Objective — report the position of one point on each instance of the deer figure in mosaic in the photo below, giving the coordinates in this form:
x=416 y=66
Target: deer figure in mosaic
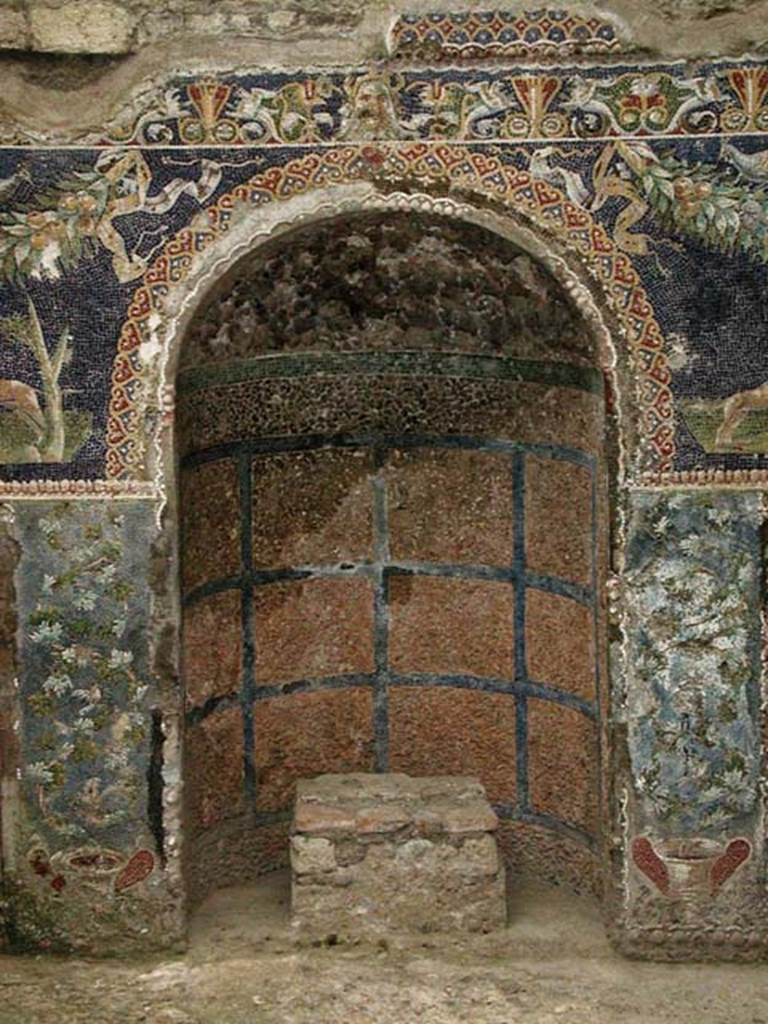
x=735 y=411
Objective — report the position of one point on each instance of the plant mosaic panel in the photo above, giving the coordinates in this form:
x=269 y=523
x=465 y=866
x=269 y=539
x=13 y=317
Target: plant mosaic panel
x=693 y=586
x=694 y=561
x=89 y=856
x=84 y=601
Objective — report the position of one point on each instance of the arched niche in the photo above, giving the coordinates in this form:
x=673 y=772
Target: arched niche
x=393 y=460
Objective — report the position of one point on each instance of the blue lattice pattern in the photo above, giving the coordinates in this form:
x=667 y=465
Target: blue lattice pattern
x=521 y=688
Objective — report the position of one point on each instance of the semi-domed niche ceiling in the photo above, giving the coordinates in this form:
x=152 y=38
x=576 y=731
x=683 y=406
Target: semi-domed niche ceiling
x=389 y=281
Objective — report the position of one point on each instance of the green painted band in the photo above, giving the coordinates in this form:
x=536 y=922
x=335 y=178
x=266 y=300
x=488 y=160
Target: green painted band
x=409 y=364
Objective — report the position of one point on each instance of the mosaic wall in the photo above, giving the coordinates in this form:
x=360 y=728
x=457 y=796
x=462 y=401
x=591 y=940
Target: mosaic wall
x=645 y=176
x=693 y=718
x=642 y=187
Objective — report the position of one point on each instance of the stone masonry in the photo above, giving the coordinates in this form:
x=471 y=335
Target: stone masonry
x=375 y=853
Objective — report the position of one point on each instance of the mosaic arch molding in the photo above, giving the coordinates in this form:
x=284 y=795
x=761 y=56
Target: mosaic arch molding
x=171 y=287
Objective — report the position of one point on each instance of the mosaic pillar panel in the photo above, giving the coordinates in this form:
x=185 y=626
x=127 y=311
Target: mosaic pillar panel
x=695 y=880
x=90 y=849
x=403 y=598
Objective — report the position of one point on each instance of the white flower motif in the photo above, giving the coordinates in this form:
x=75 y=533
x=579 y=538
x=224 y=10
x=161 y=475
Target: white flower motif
x=107 y=573
x=691 y=545
x=39 y=772
x=711 y=794
x=734 y=778
x=85 y=601
x=662 y=526
x=116 y=760
x=57 y=683
x=720 y=516
x=717 y=818
x=120 y=659
x=47 y=633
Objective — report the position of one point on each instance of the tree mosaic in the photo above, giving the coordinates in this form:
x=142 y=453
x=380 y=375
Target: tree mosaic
x=29 y=432
x=694 y=583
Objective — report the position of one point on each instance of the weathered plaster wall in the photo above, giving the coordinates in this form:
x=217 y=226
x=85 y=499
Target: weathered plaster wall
x=125 y=26
x=639 y=183
x=102 y=54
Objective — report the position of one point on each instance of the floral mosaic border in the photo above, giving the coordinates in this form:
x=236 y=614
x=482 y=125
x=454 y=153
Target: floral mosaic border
x=391 y=101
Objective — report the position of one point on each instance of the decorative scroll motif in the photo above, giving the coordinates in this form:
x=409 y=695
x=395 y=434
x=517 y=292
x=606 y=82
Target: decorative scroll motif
x=486 y=175
x=479 y=35
x=395 y=102
x=69 y=221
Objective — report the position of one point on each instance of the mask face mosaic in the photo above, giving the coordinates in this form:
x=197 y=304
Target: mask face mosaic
x=441 y=380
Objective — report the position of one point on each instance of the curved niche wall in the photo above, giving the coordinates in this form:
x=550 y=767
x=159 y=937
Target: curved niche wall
x=390 y=433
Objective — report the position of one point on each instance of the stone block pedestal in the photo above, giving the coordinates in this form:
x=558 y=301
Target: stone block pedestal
x=372 y=854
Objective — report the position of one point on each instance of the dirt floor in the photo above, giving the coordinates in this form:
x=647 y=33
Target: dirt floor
x=551 y=966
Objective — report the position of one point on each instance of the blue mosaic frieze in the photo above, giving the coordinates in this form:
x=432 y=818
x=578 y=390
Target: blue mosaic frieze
x=473 y=35
x=80 y=227
x=395 y=102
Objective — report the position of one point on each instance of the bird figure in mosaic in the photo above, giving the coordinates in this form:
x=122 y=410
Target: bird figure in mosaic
x=751 y=166
x=22 y=422
x=540 y=167
x=735 y=410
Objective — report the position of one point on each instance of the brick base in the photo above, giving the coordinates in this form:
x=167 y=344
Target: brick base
x=378 y=853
